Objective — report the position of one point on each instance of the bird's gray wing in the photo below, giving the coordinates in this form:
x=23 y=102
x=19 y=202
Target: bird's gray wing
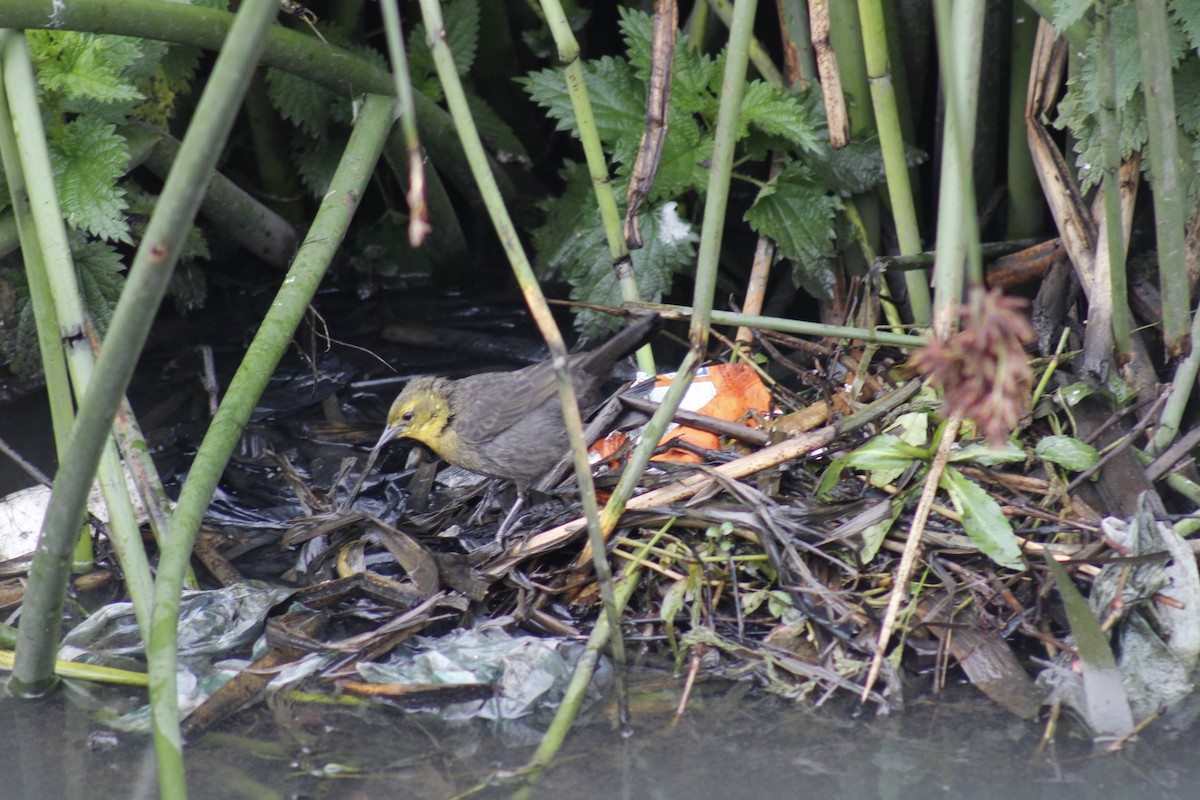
x=490 y=403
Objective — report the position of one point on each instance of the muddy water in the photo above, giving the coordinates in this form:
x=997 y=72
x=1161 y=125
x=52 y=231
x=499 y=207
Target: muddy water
x=732 y=743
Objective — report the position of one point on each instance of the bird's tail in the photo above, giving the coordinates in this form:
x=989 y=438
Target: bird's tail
x=601 y=360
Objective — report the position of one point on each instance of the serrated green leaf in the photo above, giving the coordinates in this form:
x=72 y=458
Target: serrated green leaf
x=982 y=519
x=1187 y=14
x=856 y=168
x=317 y=161
x=670 y=247
x=86 y=65
x=777 y=112
x=1067 y=452
x=462 y=37
x=570 y=244
x=301 y=102
x=693 y=72
x=617 y=98
x=18 y=329
x=797 y=213
x=101 y=279
x=495 y=132
x=89 y=157
x=1065 y=13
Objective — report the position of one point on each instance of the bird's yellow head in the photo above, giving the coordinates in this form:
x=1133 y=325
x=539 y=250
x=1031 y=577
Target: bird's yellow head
x=419 y=412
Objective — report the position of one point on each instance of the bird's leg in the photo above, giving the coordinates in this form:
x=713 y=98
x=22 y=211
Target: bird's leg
x=510 y=519
x=490 y=499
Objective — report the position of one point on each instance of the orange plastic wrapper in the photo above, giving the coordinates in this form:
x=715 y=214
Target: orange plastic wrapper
x=725 y=391
x=728 y=392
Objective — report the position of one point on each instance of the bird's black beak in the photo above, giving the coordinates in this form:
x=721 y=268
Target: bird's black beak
x=389 y=433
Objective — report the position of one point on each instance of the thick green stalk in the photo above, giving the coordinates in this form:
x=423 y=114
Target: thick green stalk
x=597 y=164
x=845 y=35
x=793 y=16
x=1025 y=202
x=960 y=48
x=54 y=365
x=144 y=289
x=418 y=213
x=716 y=198
x=456 y=101
x=796 y=326
x=1158 y=88
x=883 y=98
x=756 y=53
x=1183 y=389
x=335 y=68
x=715 y=204
x=1110 y=156
x=585 y=668
x=53 y=277
x=262 y=356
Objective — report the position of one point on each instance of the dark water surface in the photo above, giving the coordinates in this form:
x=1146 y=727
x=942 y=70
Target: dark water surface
x=734 y=743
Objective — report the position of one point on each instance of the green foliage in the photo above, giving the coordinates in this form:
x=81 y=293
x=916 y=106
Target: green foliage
x=1067 y=452
x=1078 y=111
x=799 y=208
x=90 y=85
x=798 y=213
x=100 y=277
x=571 y=246
x=89 y=159
x=983 y=520
x=462 y=36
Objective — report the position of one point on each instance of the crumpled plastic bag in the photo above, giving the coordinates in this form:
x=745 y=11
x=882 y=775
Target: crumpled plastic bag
x=529 y=673
x=213 y=622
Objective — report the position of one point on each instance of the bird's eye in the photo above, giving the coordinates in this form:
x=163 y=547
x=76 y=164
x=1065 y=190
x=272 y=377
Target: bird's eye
x=408 y=415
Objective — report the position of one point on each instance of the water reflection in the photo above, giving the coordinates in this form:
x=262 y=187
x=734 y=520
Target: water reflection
x=732 y=743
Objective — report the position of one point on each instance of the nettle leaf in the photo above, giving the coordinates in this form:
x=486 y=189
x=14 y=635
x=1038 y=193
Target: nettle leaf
x=18 y=329
x=856 y=168
x=317 y=161
x=1187 y=14
x=693 y=73
x=301 y=102
x=495 y=132
x=684 y=163
x=1067 y=452
x=670 y=247
x=1078 y=108
x=85 y=65
x=1065 y=13
x=462 y=37
x=571 y=245
x=796 y=212
x=982 y=519
x=101 y=279
x=89 y=157
x=617 y=97
x=1187 y=94
x=778 y=112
